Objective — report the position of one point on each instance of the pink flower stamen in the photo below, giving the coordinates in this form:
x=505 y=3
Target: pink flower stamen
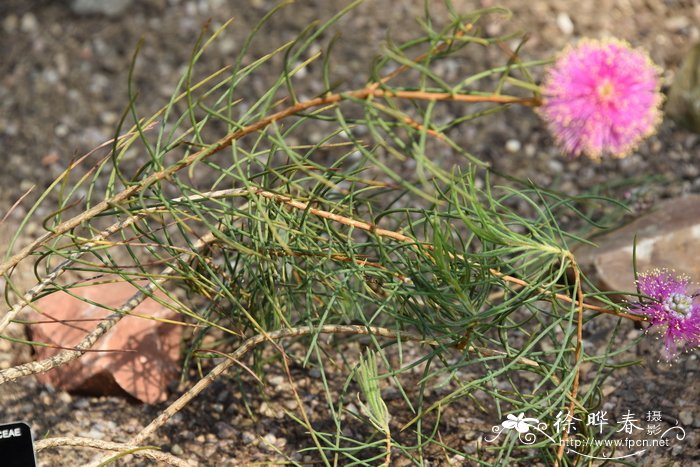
x=601 y=97
x=671 y=311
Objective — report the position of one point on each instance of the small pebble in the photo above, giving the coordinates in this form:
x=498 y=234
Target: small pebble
x=109 y=118
x=269 y=442
x=176 y=419
x=61 y=130
x=513 y=146
x=46 y=398
x=565 y=24
x=225 y=431
x=100 y=7
x=82 y=404
x=276 y=380
x=391 y=393
x=677 y=23
x=65 y=397
x=265 y=410
x=95 y=433
x=210 y=450
x=9 y=24
x=290 y=404
x=227 y=46
x=555 y=166
x=530 y=150
x=686 y=417
x=28 y=23
x=176 y=450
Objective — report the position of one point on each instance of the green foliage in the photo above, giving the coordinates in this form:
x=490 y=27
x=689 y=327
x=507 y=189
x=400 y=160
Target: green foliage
x=340 y=212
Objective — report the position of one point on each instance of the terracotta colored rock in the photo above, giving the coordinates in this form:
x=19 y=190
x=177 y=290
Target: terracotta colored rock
x=148 y=350
x=667 y=237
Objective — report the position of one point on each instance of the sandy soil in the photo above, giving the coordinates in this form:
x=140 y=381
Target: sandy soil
x=63 y=79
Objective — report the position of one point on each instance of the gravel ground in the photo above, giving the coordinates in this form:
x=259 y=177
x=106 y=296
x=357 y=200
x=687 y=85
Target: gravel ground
x=62 y=90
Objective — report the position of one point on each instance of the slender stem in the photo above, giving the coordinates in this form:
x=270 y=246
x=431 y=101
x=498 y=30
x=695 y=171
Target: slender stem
x=302 y=410
x=577 y=355
x=81 y=442
x=566 y=298
x=27 y=298
x=256 y=340
x=250 y=344
x=40 y=366
x=226 y=141
x=435 y=50
x=387 y=458
x=96 y=240
x=366 y=226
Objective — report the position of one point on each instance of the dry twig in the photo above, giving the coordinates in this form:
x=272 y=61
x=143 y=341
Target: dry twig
x=90 y=339
x=80 y=442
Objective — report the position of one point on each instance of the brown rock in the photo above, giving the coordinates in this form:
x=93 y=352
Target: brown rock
x=142 y=353
x=667 y=237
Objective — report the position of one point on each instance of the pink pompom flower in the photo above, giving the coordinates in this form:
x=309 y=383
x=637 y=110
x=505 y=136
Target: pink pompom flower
x=670 y=309
x=601 y=98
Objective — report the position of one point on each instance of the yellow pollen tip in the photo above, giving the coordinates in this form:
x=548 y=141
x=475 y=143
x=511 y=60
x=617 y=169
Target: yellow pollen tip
x=606 y=90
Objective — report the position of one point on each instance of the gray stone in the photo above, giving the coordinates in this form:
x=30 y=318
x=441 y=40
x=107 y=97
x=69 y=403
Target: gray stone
x=513 y=146
x=82 y=404
x=177 y=450
x=100 y=7
x=269 y=442
x=667 y=237
x=209 y=450
x=276 y=380
x=565 y=24
x=686 y=417
x=64 y=397
x=94 y=433
x=677 y=449
x=391 y=393
x=29 y=23
x=224 y=430
x=271 y=410
x=9 y=23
